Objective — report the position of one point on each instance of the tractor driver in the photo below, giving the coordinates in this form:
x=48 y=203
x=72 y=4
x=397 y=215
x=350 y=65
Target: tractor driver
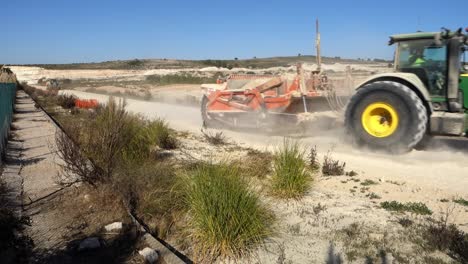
x=416 y=58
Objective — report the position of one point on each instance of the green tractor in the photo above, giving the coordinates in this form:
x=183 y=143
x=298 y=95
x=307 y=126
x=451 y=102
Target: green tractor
x=426 y=94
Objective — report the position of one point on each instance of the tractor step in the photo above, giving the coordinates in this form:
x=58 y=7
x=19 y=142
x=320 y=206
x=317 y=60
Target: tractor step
x=445 y=123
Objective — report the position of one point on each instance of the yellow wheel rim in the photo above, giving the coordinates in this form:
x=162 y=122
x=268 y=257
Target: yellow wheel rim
x=380 y=119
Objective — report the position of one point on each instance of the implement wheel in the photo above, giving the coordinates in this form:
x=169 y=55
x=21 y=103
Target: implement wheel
x=386 y=116
x=208 y=121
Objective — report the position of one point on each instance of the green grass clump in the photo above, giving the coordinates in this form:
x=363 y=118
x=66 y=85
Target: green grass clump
x=227 y=217
x=291 y=177
x=461 y=201
x=412 y=207
x=368 y=182
x=160 y=134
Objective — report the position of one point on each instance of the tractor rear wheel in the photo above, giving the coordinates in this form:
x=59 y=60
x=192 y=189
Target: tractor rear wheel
x=387 y=116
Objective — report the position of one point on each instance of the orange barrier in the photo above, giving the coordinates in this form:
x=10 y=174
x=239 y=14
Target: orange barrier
x=86 y=104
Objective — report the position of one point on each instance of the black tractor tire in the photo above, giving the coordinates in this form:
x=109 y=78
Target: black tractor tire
x=410 y=110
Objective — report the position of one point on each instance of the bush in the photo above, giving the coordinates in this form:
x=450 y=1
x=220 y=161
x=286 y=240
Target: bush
x=66 y=101
x=332 y=167
x=112 y=138
x=215 y=138
x=461 y=201
x=160 y=134
x=412 y=207
x=313 y=160
x=291 y=179
x=147 y=187
x=227 y=217
x=447 y=237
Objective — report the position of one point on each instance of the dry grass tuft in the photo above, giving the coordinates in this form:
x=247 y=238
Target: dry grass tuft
x=227 y=217
x=291 y=177
x=215 y=138
x=332 y=167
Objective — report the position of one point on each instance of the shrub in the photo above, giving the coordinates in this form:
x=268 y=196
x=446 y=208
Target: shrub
x=215 y=138
x=447 y=237
x=160 y=134
x=76 y=166
x=111 y=137
x=313 y=159
x=332 y=167
x=227 y=217
x=369 y=182
x=291 y=179
x=412 y=207
x=66 y=101
x=146 y=187
x=461 y=201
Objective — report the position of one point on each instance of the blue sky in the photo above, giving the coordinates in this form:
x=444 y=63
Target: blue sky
x=65 y=31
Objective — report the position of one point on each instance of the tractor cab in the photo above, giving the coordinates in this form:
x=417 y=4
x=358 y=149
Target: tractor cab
x=439 y=61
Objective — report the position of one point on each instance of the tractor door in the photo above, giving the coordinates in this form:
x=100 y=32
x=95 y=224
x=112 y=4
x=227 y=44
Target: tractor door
x=464 y=77
x=428 y=61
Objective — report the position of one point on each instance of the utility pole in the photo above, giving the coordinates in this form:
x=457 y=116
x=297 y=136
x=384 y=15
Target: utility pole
x=317 y=46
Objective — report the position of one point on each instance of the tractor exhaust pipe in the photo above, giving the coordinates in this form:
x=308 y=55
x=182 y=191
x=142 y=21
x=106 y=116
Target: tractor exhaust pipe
x=453 y=75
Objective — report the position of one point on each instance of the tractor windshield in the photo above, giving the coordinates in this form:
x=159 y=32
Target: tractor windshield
x=427 y=60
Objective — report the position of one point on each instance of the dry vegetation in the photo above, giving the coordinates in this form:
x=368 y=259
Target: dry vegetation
x=291 y=177
x=227 y=218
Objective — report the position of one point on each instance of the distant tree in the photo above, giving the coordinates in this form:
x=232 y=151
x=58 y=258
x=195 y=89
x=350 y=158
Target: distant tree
x=379 y=60
x=236 y=58
x=135 y=63
x=299 y=54
x=254 y=57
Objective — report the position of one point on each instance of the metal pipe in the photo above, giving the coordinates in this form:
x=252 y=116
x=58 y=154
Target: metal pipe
x=305 y=103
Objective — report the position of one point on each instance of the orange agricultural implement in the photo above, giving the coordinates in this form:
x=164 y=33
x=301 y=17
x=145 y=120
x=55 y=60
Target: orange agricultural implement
x=86 y=103
x=256 y=100
x=265 y=100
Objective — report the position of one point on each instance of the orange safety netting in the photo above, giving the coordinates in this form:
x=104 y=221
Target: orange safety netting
x=86 y=103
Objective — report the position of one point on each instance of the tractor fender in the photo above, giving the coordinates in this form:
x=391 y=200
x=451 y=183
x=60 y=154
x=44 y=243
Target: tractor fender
x=411 y=80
